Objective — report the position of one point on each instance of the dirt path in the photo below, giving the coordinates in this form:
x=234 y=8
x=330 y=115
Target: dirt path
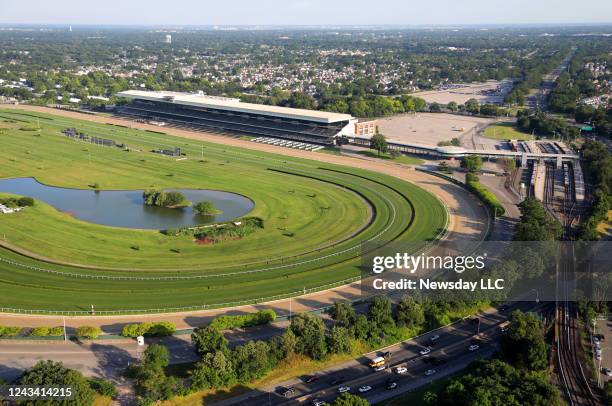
x=468 y=221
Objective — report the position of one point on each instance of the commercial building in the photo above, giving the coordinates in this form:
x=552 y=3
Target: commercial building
x=222 y=114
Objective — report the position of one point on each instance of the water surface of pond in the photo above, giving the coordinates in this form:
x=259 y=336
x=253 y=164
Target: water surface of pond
x=124 y=208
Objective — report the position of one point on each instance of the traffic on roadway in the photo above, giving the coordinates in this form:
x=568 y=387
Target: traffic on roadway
x=394 y=370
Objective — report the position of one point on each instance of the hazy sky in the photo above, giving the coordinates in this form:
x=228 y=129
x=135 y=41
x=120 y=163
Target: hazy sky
x=307 y=12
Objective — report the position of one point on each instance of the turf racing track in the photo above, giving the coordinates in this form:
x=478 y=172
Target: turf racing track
x=398 y=210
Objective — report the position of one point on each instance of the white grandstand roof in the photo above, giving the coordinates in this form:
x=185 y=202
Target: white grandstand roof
x=199 y=100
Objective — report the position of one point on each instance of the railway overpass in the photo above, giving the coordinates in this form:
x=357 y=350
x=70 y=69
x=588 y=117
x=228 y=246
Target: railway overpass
x=452 y=152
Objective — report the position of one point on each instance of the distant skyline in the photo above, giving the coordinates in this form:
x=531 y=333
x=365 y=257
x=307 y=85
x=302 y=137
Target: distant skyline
x=305 y=12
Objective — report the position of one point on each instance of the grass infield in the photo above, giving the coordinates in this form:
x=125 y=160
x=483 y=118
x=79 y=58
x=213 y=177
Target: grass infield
x=316 y=217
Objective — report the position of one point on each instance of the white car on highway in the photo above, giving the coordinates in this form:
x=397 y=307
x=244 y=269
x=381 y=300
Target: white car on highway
x=401 y=370
x=343 y=389
x=365 y=388
x=430 y=372
x=474 y=347
x=425 y=351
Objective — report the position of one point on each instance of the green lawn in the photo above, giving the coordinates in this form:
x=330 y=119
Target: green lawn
x=400 y=159
x=506 y=131
x=303 y=244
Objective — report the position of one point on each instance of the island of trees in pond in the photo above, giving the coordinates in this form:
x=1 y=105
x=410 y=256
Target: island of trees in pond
x=177 y=200
x=160 y=198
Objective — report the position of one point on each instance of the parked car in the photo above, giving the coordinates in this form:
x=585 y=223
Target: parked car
x=606 y=371
x=425 y=351
x=318 y=402
x=364 y=388
x=343 y=389
x=379 y=368
x=401 y=370
x=434 y=338
x=430 y=372
x=473 y=347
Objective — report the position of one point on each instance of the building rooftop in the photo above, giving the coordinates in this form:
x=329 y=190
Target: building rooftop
x=200 y=100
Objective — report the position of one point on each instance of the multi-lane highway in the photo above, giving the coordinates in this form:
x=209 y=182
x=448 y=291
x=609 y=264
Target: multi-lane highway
x=449 y=354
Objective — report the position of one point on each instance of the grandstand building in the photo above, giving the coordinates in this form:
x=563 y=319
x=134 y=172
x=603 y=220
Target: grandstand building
x=229 y=115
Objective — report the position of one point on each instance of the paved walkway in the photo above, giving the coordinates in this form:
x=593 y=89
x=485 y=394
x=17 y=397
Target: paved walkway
x=468 y=221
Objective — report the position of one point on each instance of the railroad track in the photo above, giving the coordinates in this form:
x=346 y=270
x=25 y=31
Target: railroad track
x=570 y=355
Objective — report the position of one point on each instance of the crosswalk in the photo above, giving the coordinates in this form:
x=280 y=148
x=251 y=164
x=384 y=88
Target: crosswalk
x=288 y=143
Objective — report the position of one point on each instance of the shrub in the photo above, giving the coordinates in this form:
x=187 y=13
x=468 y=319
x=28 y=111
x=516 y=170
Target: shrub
x=162 y=328
x=40 y=332
x=25 y=201
x=103 y=387
x=88 y=332
x=6 y=331
x=488 y=198
x=243 y=320
x=56 y=331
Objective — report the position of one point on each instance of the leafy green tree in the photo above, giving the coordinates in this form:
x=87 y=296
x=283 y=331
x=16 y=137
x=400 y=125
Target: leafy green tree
x=348 y=399
x=409 y=313
x=156 y=356
x=214 y=371
x=152 y=384
x=208 y=339
x=310 y=332
x=51 y=373
x=472 y=106
x=344 y=314
x=380 y=314
x=535 y=223
x=362 y=327
x=489 y=110
x=379 y=143
x=507 y=164
x=251 y=361
x=524 y=344
x=435 y=107
x=472 y=163
x=494 y=382
x=339 y=340
x=205 y=208
x=452 y=106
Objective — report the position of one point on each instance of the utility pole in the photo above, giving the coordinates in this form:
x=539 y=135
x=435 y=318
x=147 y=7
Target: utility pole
x=93 y=312
x=65 y=336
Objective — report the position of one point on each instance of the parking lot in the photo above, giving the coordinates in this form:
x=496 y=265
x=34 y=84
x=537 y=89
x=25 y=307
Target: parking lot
x=492 y=91
x=429 y=128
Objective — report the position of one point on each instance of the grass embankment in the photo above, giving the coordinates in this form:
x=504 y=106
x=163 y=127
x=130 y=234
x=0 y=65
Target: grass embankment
x=506 y=131
x=488 y=197
x=303 y=245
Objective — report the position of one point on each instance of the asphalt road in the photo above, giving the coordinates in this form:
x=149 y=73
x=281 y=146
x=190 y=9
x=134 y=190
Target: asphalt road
x=451 y=349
